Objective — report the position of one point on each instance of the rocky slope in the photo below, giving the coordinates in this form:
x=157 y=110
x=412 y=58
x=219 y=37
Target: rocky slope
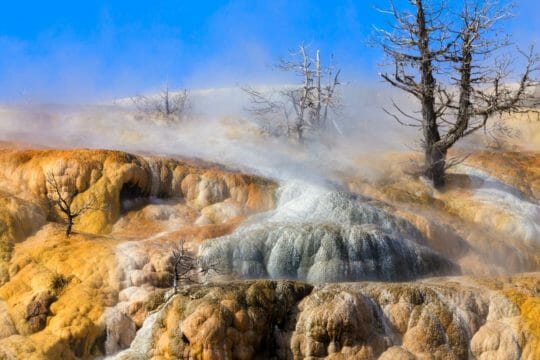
x=60 y=296
x=105 y=291
x=448 y=318
x=487 y=217
x=324 y=235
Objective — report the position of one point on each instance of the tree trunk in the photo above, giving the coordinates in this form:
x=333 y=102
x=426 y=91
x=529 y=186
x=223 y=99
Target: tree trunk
x=167 y=106
x=318 y=124
x=434 y=162
x=300 y=133
x=435 y=165
x=69 y=226
x=304 y=105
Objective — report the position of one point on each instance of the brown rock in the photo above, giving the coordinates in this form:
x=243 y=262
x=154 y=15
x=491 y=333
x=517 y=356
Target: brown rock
x=37 y=311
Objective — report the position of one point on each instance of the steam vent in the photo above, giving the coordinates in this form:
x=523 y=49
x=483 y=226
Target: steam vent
x=270 y=180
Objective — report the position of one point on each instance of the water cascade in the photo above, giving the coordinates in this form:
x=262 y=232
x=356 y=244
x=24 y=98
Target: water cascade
x=321 y=234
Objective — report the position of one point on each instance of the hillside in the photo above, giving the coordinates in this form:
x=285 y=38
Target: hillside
x=107 y=287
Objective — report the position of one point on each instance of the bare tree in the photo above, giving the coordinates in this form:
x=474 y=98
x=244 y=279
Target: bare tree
x=170 y=106
x=499 y=133
x=187 y=268
x=294 y=110
x=450 y=62
x=62 y=196
x=273 y=109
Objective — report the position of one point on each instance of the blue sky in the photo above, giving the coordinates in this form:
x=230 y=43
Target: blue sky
x=76 y=51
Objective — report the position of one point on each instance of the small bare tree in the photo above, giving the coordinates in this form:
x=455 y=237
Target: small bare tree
x=62 y=197
x=171 y=106
x=499 y=133
x=450 y=62
x=297 y=109
x=187 y=268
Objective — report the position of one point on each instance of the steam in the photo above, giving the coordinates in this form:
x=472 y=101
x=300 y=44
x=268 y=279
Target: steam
x=220 y=131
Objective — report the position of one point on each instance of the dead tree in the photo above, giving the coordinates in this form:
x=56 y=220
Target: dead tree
x=450 y=62
x=62 y=197
x=272 y=109
x=187 y=268
x=170 y=106
x=295 y=110
x=498 y=134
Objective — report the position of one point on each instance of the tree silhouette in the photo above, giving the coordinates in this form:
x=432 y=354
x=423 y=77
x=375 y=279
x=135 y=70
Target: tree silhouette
x=62 y=196
x=451 y=63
